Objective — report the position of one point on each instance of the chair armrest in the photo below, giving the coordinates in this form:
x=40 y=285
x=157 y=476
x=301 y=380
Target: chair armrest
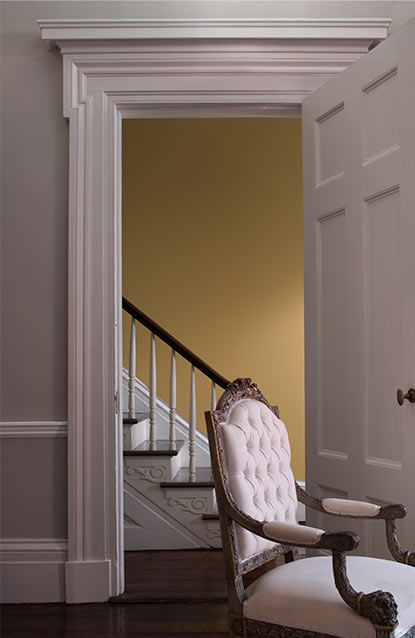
x=292 y=533
x=362 y=509
x=350 y=509
x=344 y=507
x=311 y=537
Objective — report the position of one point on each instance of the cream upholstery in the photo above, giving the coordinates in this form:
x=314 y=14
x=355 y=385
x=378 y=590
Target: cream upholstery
x=351 y=508
x=302 y=594
x=292 y=532
x=257 y=457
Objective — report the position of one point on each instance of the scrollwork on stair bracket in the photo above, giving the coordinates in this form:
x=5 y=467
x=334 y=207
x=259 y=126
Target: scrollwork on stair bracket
x=190 y=504
x=213 y=533
x=154 y=474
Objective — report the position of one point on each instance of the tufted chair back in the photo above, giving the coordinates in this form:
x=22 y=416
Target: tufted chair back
x=257 y=457
x=253 y=454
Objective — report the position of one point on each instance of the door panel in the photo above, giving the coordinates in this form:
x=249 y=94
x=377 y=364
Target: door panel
x=359 y=253
x=331 y=263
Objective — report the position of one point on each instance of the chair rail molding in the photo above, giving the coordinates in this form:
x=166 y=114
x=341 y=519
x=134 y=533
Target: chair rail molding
x=32 y=429
x=114 y=69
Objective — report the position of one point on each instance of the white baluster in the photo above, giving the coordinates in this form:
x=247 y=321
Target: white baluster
x=153 y=389
x=172 y=434
x=213 y=397
x=131 y=372
x=192 y=427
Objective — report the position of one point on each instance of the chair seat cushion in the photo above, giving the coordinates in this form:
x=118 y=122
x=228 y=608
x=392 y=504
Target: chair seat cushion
x=302 y=594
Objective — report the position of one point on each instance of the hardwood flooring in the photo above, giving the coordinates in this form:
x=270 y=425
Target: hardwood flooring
x=168 y=594
x=191 y=575
x=192 y=581
x=207 y=620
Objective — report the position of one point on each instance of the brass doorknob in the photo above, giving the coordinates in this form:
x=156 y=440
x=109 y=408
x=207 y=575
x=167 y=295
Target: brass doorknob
x=410 y=396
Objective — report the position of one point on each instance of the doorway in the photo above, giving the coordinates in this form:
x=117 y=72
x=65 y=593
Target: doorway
x=138 y=70
x=212 y=251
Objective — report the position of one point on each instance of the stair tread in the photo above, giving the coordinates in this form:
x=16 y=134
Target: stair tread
x=162 y=449
x=210 y=517
x=140 y=416
x=203 y=478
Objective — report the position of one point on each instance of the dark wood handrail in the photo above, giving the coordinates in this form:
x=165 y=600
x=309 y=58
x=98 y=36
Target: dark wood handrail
x=178 y=347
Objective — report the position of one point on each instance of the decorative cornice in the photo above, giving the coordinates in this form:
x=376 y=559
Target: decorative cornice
x=262 y=62
x=33 y=429
x=55 y=31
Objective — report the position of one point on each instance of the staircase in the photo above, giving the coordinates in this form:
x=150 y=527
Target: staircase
x=169 y=498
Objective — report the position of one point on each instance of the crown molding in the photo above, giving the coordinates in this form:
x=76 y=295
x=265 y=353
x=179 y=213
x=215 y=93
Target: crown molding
x=365 y=30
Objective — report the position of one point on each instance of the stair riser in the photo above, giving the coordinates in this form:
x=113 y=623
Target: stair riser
x=135 y=434
x=141 y=394
x=152 y=468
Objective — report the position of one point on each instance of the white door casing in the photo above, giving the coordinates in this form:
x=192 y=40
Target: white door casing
x=131 y=68
x=359 y=236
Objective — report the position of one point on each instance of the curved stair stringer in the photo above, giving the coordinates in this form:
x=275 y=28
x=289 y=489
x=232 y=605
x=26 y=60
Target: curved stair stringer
x=150 y=527
x=183 y=507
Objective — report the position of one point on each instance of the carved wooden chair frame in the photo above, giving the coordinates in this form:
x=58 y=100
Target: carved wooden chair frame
x=379 y=607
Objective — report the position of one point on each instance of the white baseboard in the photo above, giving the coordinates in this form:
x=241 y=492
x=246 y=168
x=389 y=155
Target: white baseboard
x=88 y=581
x=32 y=570
x=35 y=582
x=36 y=570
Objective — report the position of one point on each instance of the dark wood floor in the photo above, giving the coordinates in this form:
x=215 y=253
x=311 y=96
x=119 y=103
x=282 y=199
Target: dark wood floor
x=192 y=575
x=193 y=582
x=207 y=620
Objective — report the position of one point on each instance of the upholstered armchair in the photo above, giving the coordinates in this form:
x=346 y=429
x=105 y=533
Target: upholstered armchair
x=331 y=596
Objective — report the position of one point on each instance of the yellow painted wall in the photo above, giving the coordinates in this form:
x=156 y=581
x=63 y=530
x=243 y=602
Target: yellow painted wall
x=212 y=251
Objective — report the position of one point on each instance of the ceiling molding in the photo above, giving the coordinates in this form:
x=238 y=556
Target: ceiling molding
x=364 y=30
x=275 y=61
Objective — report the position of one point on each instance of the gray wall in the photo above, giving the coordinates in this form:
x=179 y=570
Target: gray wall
x=34 y=163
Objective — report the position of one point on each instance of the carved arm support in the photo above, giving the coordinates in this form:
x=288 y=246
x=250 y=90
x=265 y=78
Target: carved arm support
x=378 y=606
x=395 y=547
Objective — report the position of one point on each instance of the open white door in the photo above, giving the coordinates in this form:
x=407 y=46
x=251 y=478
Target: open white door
x=359 y=231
